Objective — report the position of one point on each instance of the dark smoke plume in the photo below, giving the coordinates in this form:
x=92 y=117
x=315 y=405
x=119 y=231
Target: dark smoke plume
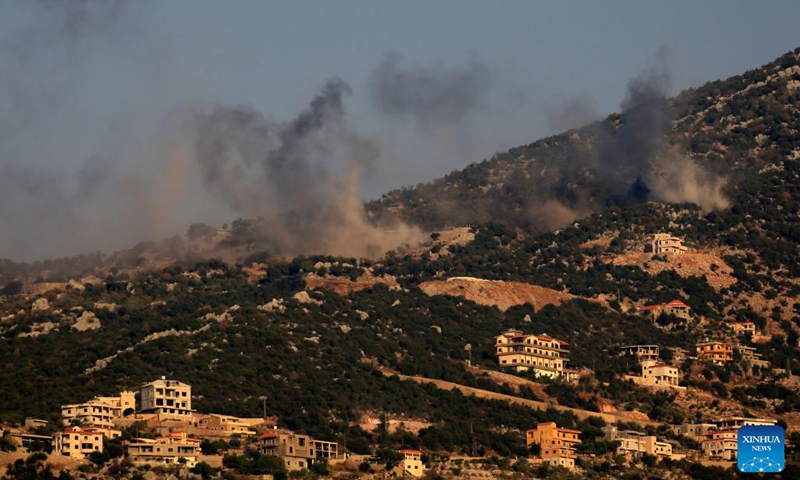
x=428 y=95
x=637 y=164
x=308 y=169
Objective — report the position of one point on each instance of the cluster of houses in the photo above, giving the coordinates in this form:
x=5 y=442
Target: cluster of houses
x=717 y=440
x=166 y=407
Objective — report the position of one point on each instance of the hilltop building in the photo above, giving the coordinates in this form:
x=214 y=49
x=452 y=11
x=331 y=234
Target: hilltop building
x=660 y=375
x=636 y=444
x=99 y=411
x=715 y=351
x=173 y=449
x=224 y=425
x=733 y=423
x=297 y=451
x=675 y=307
x=647 y=354
x=545 y=356
x=666 y=244
x=169 y=399
x=722 y=444
x=750 y=358
x=695 y=431
x=741 y=328
x=557 y=445
x=78 y=442
x=411 y=464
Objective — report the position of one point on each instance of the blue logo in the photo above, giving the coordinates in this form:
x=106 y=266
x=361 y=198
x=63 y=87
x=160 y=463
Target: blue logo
x=761 y=449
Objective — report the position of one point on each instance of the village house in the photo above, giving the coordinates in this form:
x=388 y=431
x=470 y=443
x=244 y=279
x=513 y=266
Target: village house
x=411 y=464
x=543 y=355
x=750 y=358
x=695 y=431
x=174 y=449
x=679 y=355
x=676 y=308
x=556 y=445
x=733 y=423
x=297 y=451
x=740 y=328
x=99 y=411
x=660 y=375
x=225 y=425
x=636 y=444
x=78 y=442
x=169 y=399
x=646 y=354
x=715 y=351
x=666 y=244
x=721 y=444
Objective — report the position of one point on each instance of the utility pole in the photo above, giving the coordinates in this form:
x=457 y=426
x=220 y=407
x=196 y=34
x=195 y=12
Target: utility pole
x=264 y=404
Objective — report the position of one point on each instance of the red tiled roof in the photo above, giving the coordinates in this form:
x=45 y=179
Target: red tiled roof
x=411 y=451
x=676 y=303
x=268 y=435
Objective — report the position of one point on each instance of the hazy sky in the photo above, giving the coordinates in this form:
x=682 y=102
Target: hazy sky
x=87 y=88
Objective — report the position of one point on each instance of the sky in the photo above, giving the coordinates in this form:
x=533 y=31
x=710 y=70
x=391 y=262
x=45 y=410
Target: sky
x=99 y=101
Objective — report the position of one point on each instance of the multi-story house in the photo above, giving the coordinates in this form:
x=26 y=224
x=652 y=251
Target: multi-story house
x=411 y=464
x=740 y=328
x=647 y=354
x=695 y=431
x=679 y=355
x=225 y=425
x=750 y=358
x=543 y=355
x=78 y=442
x=676 y=307
x=636 y=444
x=715 y=351
x=733 y=423
x=297 y=451
x=173 y=449
x=660 y=375
x=556 y=445
x=721 y=444
x=664 y=243
x=99 y=411
x=169 y=399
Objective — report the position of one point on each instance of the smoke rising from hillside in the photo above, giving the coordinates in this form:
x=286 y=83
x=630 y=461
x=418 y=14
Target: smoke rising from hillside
x=310 y=166
x=639 y=150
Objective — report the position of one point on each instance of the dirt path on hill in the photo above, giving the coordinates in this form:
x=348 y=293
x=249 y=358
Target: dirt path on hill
x=581 y=414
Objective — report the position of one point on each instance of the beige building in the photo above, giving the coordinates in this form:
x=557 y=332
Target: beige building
x=556 y=445
x=750 y=358
x=225 y=425
x=298 y=451
x=646 y=354
x=740 y=328
x=78 y=442
x=660 y=375
x=99 y=411
x=636 y=444
x=174 y=449
x=664 y=243
x=411 y=464
x=695 y=431
x=715 y=351
x=675 y=307
x=545 y=356
x=721 y=444
x=679 y=355
x=733 y=423
x=169 y=399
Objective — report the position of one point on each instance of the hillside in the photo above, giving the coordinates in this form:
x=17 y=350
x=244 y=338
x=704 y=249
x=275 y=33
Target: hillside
x=555 y=243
